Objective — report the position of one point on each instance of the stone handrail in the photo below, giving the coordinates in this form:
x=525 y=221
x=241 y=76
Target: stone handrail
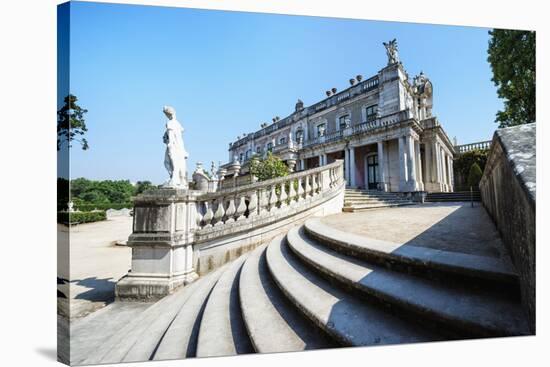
x=270 y=199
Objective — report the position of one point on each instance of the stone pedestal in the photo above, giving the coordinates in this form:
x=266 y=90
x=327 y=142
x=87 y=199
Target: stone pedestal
x=162 y=245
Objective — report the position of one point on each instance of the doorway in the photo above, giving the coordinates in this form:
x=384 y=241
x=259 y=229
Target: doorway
x=372 y=172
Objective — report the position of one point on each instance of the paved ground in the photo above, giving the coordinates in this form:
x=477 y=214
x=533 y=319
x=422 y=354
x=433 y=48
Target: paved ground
x=444 y=226
x=96 y=263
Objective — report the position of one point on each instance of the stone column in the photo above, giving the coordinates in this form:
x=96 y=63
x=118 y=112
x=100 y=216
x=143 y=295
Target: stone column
x=402 y=164
x=381 y=166
x=449 y=174
x=419 y=178
x=443 y=168
x=452 y=173
x=346 y=166
x=325 y=161
x=320 y=160
x=437 y=165
x=302 y=164
x=411 y=166
x=353 y=183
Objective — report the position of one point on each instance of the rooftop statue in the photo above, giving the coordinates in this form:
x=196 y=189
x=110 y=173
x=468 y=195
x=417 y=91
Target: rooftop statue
x=175 y=158
x=391 y=51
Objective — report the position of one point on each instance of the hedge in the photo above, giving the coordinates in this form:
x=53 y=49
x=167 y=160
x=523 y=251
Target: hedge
x=81 y=217
x=86 y=207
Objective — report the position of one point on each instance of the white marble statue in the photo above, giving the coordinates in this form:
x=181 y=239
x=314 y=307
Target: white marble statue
x=175 y=158
x=391 y=51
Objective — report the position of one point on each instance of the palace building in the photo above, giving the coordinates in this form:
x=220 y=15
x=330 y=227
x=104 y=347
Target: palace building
x=382 y=127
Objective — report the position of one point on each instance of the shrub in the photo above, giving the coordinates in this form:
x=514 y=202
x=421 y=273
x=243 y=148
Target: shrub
x=86 y=207
x=268 y=168
x=474 y=176
x=81 y=217
x=465 y=161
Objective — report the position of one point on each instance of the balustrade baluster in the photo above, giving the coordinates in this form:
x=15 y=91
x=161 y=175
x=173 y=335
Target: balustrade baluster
x=273 y=198
x=283 y=197
x=292 y=191
x=263 y=200
x=308 y=186
x=208 y=215
x=199 y=215
x=300 y=190
x=241 y=209
x=313 y=184
x=217 y=220
x=231 y=209
x=253 y=204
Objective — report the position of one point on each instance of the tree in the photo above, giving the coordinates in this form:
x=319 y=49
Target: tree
x=474 y=176
x=71 y=124
x=464 y=162
x=268 y=168
x=512 y=59
x=142 y=186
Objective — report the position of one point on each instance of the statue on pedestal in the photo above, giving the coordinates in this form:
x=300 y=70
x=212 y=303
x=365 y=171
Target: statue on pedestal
x=391 y=51
x=175 y=158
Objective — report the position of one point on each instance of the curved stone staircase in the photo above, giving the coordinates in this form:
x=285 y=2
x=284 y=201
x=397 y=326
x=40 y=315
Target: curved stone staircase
x=316 y=287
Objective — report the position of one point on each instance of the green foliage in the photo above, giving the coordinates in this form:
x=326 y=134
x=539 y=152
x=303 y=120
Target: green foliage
x=268 y=168
x=82 y=206
x=465 y=161
x=81 y=217
x=513 y=61
x=142 y=186
x=71 y=124
x=101 y=192
x=474 y=176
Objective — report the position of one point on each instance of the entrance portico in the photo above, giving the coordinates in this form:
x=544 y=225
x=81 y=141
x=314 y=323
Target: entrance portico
x=396 y=161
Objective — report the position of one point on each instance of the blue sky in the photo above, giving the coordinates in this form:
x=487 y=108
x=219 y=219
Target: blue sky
x=227 y=72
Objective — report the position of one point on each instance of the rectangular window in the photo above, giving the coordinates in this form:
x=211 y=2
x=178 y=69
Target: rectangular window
x=282 y=141
x=343 y=122
x=269 y=147
x=321 y=129
x=371 y=112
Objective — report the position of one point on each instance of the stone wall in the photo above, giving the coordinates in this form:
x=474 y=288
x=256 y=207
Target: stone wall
x=508 y=192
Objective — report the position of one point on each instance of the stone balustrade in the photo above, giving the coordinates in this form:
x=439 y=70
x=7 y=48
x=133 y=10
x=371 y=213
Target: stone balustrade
x=178 y=234
x=482 y=145
x=234 y=209
x=379 y=122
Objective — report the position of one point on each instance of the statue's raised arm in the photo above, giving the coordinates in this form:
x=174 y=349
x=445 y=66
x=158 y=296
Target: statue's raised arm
x=175 y=158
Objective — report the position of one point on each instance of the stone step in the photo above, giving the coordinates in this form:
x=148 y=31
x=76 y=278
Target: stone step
x=273 y=323
x=479 y=313
x=374 y=201
x=91 y=331
x=222 y=331
x=146 y=329
x=350 y=321
x=413 y=258
x=363 y=194
x=361 y=207
x=456 y=200
x=180 y=340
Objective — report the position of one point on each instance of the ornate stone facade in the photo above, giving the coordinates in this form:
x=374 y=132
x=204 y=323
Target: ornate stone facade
x=382 y=127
